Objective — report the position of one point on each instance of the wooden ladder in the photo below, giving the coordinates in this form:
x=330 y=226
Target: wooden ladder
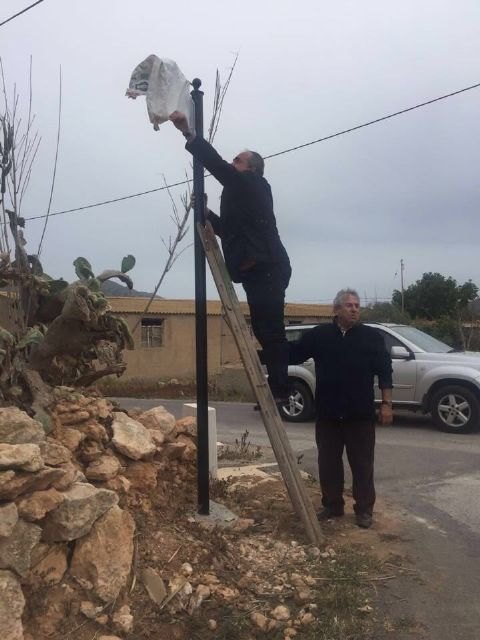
x=273 y=423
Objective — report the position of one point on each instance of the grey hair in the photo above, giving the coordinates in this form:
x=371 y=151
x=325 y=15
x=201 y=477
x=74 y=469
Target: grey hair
x=342 y=294
x=256 y=162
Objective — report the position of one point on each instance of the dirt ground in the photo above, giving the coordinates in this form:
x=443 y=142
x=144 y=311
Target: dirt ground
x=259 y=578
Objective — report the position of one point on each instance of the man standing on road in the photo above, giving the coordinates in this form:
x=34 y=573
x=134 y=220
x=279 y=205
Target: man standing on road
x=253 y=251
x=348 y=355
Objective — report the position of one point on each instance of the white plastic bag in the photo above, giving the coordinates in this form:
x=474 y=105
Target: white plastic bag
x=165 y=88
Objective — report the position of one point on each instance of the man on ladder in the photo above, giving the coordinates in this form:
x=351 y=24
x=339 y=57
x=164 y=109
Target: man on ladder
x=253 y=251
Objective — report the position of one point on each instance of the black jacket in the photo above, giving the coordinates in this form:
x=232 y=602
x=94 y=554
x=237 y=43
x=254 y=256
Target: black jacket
x=345 y=366
x=246 y=225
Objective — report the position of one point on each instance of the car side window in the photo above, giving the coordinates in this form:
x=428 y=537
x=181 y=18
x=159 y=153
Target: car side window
x=390 y=341
x=294 y=336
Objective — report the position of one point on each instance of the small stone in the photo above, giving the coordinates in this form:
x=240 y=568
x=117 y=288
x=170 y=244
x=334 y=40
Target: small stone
x=123 y=619
x=109 y=638
x=297 y=580
x=157 y=436
x=103 y=469
x=187 y=425
x=25 y=457
x=70 y=475
x=302 y=595
x=365 y=609
x=154 y=585
x=142 y=476
x=95 y=431
x=12 y=603
x=54 y=453
x=71 y=438
x=158 y=418
x=83 y=505
x=13 y=484
x=101 y=561
x=8 y=518
x=131 y=438
x=120 y=484
x=103 y=408
x=307 y=618
x=202 y=592
x=212 y=624
x=190 y=451
x=36 y=505
x=259 y=620
x=173 y=450
x=290 y=632
x=90 y=450
x=186 y=569
x=89 y=609
x=280 y=613
x=16 y=550
x=74 y=417
x=227 y=593
x=16 y=427
x=49 y=564
x=242 y=524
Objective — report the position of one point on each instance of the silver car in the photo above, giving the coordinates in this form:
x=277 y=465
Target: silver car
x=428 y=376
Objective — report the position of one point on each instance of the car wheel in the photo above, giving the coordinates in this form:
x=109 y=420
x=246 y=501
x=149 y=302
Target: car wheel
x=300 y=405
x=455 y=409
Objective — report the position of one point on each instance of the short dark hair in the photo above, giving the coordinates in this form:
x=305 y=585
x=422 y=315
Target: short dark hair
x=256 y=162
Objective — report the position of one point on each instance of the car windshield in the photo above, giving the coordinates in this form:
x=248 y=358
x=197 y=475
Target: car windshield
x=423 y=340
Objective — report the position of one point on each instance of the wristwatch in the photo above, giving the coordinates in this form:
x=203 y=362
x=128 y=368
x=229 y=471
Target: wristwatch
x=387 y=402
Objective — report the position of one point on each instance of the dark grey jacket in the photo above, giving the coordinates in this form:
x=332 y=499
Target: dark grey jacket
x=345 y=367
x=246 y=225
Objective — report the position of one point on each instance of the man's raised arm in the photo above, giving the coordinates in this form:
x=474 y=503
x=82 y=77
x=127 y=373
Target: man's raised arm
x=203 y=151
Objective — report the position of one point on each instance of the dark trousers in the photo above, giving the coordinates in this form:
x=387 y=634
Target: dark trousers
x=358 y=438
x=265 y=289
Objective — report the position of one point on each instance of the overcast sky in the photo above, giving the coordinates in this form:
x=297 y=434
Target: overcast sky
x=347 y=209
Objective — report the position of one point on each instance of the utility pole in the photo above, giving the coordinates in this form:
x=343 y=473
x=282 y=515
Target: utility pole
x=203 y=474
x=402 y=267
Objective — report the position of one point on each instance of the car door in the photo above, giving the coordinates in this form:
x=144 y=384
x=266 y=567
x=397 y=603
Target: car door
x=404 y=371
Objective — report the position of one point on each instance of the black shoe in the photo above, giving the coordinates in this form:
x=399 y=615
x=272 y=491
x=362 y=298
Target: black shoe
x=364 y=520
x=327 y=514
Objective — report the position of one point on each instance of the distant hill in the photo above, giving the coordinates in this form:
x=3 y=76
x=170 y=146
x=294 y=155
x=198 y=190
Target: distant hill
x=114 y=289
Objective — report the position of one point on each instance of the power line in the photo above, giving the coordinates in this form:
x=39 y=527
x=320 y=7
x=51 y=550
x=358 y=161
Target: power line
x=100 y=204
x=367 y=124
x=273 y=155
x=20 y=12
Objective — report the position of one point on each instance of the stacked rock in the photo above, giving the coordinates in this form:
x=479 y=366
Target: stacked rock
x=59 y=496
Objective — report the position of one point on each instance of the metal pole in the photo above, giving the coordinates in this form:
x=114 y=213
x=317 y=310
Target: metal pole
x=200 y=316
x=401 y=281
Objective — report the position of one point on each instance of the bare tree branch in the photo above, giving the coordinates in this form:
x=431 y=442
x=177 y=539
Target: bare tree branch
x=56 y=159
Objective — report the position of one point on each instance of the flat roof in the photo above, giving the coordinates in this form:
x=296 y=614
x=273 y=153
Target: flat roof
x=136 y=305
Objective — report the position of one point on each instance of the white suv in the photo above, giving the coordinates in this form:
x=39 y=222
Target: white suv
x=428 y=376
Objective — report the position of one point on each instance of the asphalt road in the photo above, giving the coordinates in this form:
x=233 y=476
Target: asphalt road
x=433 y=479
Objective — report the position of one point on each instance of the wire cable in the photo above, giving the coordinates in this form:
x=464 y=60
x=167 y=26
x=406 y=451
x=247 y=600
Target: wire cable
x=273 y=155
x=20 y=12
x=367 y=124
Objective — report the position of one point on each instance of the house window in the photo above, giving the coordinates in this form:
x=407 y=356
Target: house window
x=152 y=332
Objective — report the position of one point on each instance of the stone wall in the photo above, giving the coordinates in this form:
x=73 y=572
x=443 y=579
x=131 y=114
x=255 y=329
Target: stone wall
x=61 y=523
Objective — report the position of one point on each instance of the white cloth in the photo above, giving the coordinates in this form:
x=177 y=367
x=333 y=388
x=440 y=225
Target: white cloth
x=165 y=87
